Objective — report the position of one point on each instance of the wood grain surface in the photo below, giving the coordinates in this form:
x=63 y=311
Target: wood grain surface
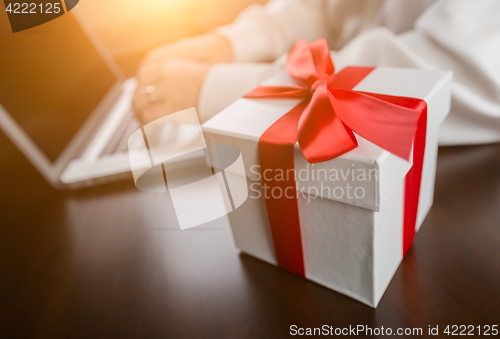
x=109 y=262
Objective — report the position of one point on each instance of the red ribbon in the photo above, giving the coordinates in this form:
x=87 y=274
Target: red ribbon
x=323 y=124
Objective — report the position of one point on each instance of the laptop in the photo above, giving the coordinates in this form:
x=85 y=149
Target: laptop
x=65 y=103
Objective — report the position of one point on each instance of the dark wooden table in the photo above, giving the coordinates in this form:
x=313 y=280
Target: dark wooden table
x=108 y=262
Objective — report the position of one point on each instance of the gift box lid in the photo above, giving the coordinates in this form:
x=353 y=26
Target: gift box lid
x=364 y=177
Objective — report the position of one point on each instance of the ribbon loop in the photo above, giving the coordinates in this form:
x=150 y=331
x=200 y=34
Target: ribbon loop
x=321 y=134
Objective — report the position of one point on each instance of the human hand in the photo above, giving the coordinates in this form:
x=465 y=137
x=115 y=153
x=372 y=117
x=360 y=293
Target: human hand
x=170 y=77
x=173 y=87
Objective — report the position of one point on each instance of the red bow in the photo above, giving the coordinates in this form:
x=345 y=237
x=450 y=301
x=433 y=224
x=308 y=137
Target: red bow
x=323 y=124
x=334 y=111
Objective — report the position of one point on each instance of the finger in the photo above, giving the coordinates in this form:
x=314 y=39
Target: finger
x=156 y=73
x=170 y=73
x=165 y=53
x=152 y=56
x=164 y=72
x=174 y=72
x=149 y=73
x=140 y=100
x=159 y=94
x=154 y=112
x=143 y=99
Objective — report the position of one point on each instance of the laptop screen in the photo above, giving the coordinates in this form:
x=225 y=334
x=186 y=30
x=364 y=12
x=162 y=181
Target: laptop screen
x=51 y=79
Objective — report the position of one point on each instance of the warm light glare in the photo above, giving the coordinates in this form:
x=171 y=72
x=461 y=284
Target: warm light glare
x=137 y=25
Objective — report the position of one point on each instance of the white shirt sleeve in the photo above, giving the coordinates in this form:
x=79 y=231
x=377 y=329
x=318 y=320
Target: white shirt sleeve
x=464 y=36
x=460 y=35
x=264 y=32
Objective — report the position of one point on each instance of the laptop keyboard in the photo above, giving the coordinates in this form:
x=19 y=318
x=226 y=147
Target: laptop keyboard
x=119 y=141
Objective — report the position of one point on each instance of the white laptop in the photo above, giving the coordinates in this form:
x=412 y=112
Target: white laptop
x=65 y=103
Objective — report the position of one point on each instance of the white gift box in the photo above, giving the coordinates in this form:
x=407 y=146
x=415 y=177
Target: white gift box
x=352 y=243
